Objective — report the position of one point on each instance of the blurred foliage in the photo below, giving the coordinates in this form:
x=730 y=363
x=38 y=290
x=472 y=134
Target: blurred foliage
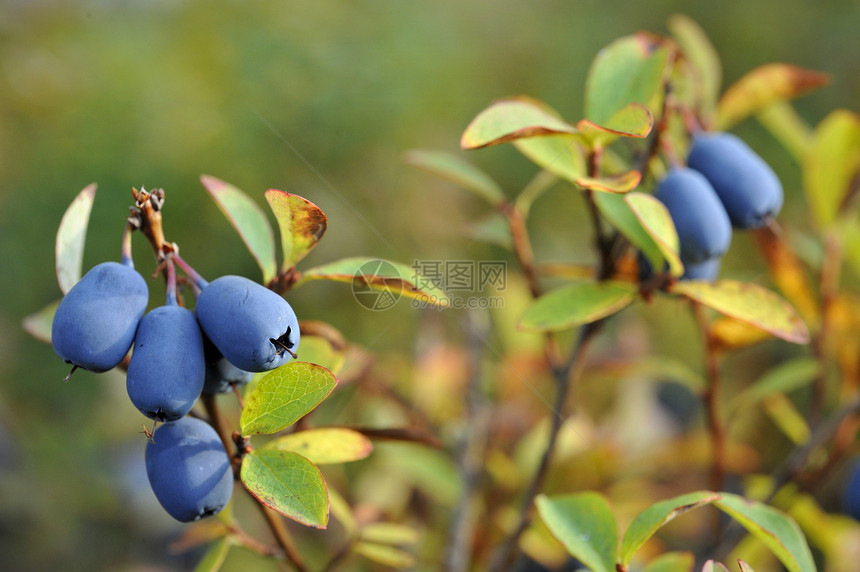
x=322 y=99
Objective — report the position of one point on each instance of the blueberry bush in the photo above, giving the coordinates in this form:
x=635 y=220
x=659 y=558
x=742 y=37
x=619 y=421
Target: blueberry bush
x=472 y=472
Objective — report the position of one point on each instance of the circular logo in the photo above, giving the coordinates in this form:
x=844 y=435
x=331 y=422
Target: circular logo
x=377 y=285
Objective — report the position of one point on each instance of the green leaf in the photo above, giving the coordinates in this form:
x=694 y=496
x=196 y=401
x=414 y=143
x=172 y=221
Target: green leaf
x=458 y=171
x=378 y=274
x=671 y=562
x=561 y=155
x=585 y=525
x=762 y=86
x=390 y=533
x=633 y=120
x=703 y=58
x=318 y=350
x=325 y=445
x=745 y=567
x=71 y=236
x=658 y=514
x=785 y=415
x=783 y=378
x=787 y=126
x=288 y=483
x=629 y=70
x=341 y=511
x=300 y=222
x=629 y=222
x=248 y=219
x=662 y=368
x=214 y=557
x=385 y=554
x=774 y=528
x=38 y=324
x=492 y=229
x=619 y=183
x=510 y=119
x=657 y=222
x=285 y=395
x=577 y=304
x=540 y=184
x=831 y=164
x=748 y=303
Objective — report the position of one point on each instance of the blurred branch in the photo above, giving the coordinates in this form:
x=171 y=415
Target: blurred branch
x=473 y=444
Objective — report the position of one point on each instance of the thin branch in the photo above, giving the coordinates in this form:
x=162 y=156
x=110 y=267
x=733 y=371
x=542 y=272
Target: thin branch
x=472 y=448
x=565 y=376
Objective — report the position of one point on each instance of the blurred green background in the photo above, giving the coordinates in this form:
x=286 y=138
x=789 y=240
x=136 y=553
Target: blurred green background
x=315 y=98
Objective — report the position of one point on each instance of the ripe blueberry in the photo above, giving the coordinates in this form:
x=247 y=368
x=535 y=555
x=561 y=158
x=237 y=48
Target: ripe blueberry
x=706 y=271
x=166 y=370
x=221 y=375
x=253 y=327
x=188 y=469
x=95 y=323
x=747 y=186
x=704 y=230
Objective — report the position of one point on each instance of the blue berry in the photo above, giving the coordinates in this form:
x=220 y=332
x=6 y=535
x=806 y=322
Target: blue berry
x=747 y=186
x=95 y=323
x=188 y=469
x=166 y=370
x=704 y=229
x=221 y=375
x=706 y=271
x=253 y=327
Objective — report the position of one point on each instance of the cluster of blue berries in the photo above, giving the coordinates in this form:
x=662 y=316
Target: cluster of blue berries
x=238 y=327
x=725 y=184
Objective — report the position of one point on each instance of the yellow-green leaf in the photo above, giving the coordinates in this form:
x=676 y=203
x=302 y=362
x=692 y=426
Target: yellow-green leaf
x=248 y=219
x=774 y=528
x=71 y=236
x=318 y=350
x=705 y=61
x=620 y=183
x=671 y=562
x=577 y=304
x=288 y=483
x=633 y=120
x=655 y=516
x=214 y=557
x=562 y=155
x=390 y=533
x=460 y=172
x=629 y=70
x=657 y=222
x=785 y=415
x=301 y=224
x=385 y=554
x=510 y=119
x=621 y=215
x=325 y=445
x=38 y=324
x=285 y=395
x=748 y=303
x=762 y=86
x=832 y=162
x=585 y=525
x=377 y=274
x=783 y=378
